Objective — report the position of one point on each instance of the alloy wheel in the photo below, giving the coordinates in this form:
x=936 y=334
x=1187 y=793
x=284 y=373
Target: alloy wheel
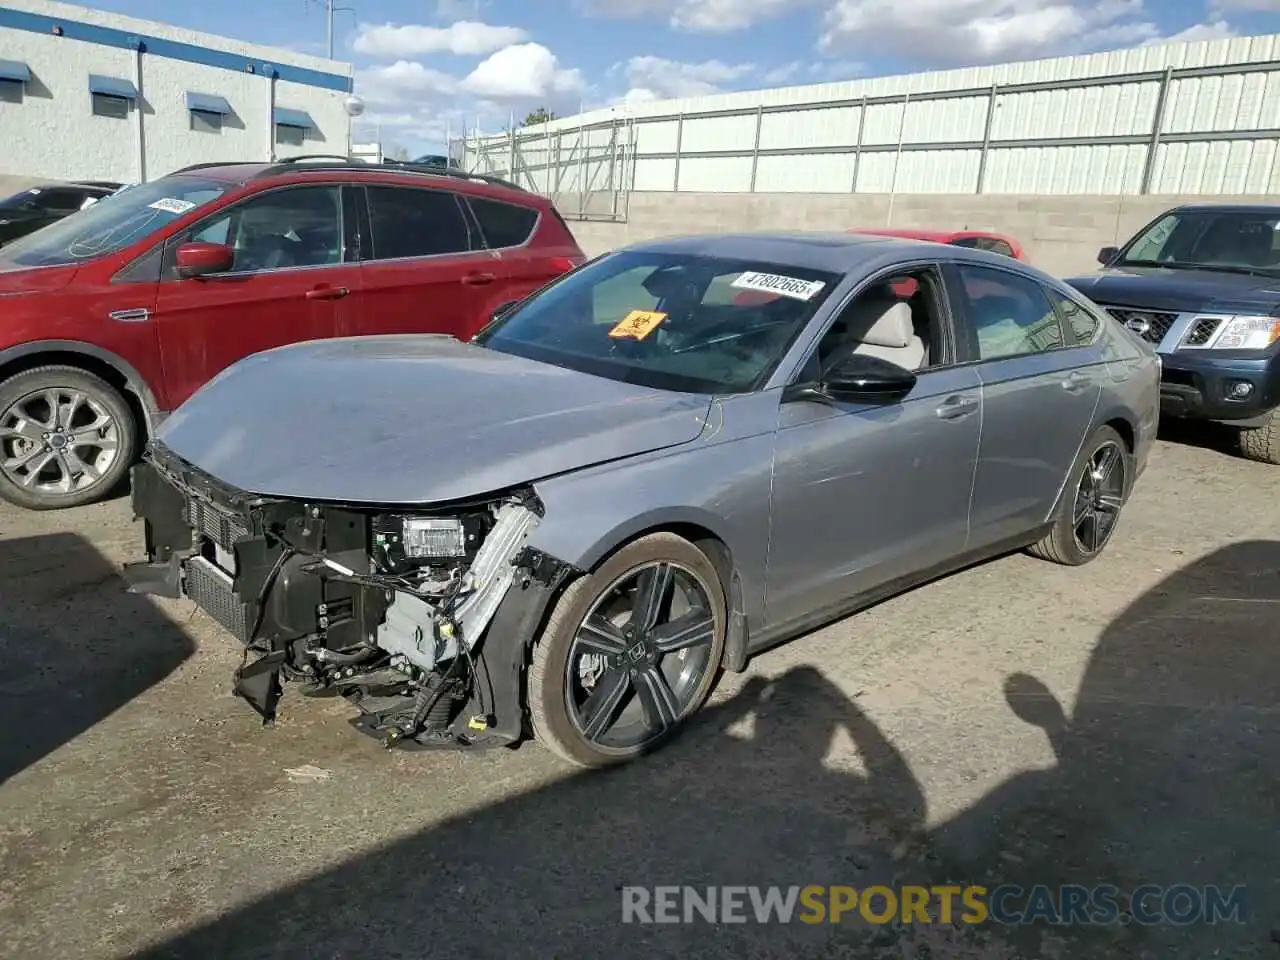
x=57 y=441
x=639 y=656
x=1099 y=497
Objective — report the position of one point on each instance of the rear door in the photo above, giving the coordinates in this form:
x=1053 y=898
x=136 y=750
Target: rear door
x=294 y=276
x=1039 y=393
x=425 y=269
x=536 y=246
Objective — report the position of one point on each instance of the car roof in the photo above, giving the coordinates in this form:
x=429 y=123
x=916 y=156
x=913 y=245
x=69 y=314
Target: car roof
x=1266 y=209
x=828 y=251
x=296 y=171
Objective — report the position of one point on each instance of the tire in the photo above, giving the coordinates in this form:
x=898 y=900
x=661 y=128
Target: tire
x=1061 y=544
x=558 y=724
x=105 y=442
x=1262 y=444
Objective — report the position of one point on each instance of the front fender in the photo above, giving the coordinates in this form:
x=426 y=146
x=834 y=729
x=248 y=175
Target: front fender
x=719 y=482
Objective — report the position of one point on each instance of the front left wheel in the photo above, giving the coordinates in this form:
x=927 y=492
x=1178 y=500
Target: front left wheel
x=629 y=653
x=67 y=438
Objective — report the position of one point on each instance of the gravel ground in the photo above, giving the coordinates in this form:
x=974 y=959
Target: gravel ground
x=1016 y=723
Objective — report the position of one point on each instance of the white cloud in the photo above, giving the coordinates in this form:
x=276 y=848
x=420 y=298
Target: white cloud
x=402 y=82
x=656 y=78
x=466 y=38
x=1264 y=5
x=1217 y=30
x=699 y=16
x=954 y=32
x=525 y=71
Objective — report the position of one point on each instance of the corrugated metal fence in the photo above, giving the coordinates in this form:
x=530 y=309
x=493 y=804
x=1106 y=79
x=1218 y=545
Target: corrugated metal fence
x=1196 y=129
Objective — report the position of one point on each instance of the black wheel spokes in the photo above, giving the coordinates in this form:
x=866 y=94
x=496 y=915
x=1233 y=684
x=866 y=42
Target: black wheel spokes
x=1099 y=497
x=646 y=670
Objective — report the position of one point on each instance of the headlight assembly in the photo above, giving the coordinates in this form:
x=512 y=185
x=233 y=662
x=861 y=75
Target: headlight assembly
x=433 y=538
x=1241 y=333
x=402 y=542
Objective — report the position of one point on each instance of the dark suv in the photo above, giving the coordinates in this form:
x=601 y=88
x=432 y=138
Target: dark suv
x=117 y=315
x=1202 y=283
x=29 y=210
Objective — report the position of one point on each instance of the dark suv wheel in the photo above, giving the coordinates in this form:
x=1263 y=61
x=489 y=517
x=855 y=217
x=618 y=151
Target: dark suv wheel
x=67 y=438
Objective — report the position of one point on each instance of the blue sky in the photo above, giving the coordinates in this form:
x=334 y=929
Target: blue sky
x=425 y=67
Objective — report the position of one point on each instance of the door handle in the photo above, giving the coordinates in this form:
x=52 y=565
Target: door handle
x=476 y=279
x=1076 y=382
x=327 y=293
x=137 y=315
x=953 y=408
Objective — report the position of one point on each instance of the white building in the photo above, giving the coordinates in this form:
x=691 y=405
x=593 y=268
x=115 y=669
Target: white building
x=90 y=95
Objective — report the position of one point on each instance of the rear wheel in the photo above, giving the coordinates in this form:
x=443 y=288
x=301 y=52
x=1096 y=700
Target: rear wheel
x=1091 y=503
x=1262 y=444
x=630 y=652
x=67 y=438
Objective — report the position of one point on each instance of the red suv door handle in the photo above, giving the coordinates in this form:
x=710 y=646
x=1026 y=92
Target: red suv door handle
x=476 y=279
x=327 y=293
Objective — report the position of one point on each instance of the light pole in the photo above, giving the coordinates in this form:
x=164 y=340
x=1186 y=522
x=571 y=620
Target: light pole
x=329 y=10
x=354 y=106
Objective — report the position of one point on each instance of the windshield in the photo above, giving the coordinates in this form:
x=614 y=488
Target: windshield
x=114 y=222
x=669 y=321
x=1226 y=240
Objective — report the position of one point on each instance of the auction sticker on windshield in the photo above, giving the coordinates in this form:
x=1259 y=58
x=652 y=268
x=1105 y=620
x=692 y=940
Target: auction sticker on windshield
x=638 y=324
x=775 y=283
x=169 y=205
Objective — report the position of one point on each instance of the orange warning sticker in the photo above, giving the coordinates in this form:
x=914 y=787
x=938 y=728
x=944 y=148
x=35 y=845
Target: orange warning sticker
x=638 y=324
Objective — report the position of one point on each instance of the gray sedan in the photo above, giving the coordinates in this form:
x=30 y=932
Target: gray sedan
x=672 y=458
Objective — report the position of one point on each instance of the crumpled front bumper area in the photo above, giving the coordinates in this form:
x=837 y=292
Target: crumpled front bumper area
x=296 y=584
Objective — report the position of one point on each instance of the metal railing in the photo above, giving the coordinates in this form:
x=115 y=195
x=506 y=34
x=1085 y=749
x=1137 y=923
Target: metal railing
x=589 y=170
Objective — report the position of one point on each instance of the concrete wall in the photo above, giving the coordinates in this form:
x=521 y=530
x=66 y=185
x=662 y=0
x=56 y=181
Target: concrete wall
x=1062 y=235
x=52 y=131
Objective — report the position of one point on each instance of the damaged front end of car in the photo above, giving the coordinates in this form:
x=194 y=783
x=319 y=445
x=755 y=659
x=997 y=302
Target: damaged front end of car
x=420 y=618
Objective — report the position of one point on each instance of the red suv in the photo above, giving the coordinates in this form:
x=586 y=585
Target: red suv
x=117 y=314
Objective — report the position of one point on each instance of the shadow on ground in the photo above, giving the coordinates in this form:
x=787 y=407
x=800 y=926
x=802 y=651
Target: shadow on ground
x=74 y=647
x=1166 y=773
x=1205 y=434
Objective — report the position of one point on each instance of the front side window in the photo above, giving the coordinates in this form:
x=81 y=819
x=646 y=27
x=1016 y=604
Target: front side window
x=1011 y=316
x=294 y=227
x=1231 y=241
x=416 y=222
x=114 y=222
x=671 y=321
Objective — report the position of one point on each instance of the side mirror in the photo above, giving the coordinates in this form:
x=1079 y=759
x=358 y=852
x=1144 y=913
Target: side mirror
x=857 y=378
x=203 y=259
x=1107 y=254
x=867 y=378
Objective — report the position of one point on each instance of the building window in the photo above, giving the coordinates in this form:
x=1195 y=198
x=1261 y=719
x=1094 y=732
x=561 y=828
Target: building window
x=289 y=136
x=202 y=121
x=11 y=91
x=105 y=105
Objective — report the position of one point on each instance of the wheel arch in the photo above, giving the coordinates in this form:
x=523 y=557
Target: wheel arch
x=114 y=369
x=706 y=531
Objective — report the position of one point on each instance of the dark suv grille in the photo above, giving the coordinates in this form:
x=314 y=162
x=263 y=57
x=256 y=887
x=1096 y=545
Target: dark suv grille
x=222 y=528
x=1157 y=324
x=1201 y=332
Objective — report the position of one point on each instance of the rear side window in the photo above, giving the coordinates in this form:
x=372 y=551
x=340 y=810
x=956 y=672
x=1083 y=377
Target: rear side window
x=992 y=244
x=416 y=222
x=503 y=224
x=1079 y=324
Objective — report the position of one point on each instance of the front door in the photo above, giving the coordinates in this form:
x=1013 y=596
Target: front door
x=424 y=271
x=864 y=494
x=1039 y=393
x=293 y=279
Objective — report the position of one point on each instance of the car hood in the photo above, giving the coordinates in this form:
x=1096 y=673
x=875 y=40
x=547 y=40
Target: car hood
x=413 y=420
x=1180 y=291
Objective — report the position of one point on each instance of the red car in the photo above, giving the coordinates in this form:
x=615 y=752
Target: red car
x=977 y=239
x=115 y=315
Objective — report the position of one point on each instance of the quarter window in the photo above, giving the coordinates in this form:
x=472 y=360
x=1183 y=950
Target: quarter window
x=1079 y=323
x=1011 y=316
x=503 y=224
x=415 y=222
